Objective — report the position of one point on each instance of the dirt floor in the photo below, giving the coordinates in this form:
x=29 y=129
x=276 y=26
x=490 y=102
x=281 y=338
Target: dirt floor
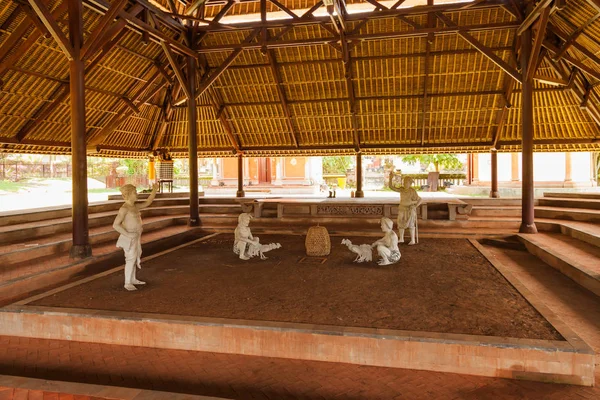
x=440 y=285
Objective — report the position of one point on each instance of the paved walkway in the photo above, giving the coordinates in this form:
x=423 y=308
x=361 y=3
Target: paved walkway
x=249 y=377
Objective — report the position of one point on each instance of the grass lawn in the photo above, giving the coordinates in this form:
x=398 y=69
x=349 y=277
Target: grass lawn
x=13 y=187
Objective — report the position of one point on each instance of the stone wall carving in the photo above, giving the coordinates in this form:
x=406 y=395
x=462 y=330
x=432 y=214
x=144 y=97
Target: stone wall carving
x=323 y=209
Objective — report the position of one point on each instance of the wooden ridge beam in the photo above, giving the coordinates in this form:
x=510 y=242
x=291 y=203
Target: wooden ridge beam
x=282 y=96
x=358 y=37
x=483 y=49
x=49 y=21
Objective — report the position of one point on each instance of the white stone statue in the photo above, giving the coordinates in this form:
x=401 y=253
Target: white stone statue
x=387 y=246
x=129 y=224
x=407 y=209
x=246 y=245
x=363 y=252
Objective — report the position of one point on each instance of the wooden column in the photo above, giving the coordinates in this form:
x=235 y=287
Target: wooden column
x=494 y=179
x=359 y=177
x=81 y=243
x=240 y=191
x=527 y=200
x=514 y=164
x=193 y=142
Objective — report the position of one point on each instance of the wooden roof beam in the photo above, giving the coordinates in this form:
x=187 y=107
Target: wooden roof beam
x=161 y=127
x=358 y=37
x=483 y=49
x=348 y=72
x=49 y=21
x=571 y=39
x=308 y=18
x=285 y=9
x=94 y=40
x=209 y=80
x=177 y=70
x=216 y=19
x=282 y=96
x=539 y=37
x=428 y=43
x=195 y=5
x=59 y=95
x=220 y=114
x=36 y=20
x=584 y=68
x=530 y=19
x=123 y=115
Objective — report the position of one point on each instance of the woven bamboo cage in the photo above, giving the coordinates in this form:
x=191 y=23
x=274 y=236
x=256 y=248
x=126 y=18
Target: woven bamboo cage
x=318 y=243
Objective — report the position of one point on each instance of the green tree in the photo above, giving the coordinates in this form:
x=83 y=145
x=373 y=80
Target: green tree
x=134 y=167
x=448 y=161
x=337 y=164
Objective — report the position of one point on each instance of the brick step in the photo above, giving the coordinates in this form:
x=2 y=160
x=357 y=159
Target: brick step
x=60 y=268
x=571 y=214
x=496 y=211
x=576 y=259
x=584 y=195
x=33 y=249
x=593 y=204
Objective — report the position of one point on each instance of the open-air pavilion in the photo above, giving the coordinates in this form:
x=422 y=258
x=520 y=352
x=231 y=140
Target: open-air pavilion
x=279 y=78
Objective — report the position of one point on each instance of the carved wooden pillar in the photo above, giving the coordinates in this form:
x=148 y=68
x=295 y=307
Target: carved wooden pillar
x=494 y=179
x=359 y=177
x=81 y=244
x=527 y=200
x=240 y=191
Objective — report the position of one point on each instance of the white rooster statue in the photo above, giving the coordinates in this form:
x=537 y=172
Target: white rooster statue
x=363 y=251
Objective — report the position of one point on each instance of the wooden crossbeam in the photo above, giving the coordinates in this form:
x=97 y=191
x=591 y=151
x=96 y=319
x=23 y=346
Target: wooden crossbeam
x=588 y=70
x=221 y=115
x=44 y=112
x=48 y=19
x=282 y=95
x=483 y=49
x=360 y=37
x=195 y=5
x=378 y=5
x=100 y=29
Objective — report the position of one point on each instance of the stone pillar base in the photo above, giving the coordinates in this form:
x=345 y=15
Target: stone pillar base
x=240 y=193
x=277 y=183
x=359 y=194
x=80 y=251
x=525 y=228
x=194 y=222
x=569 y=184
x=494 y=195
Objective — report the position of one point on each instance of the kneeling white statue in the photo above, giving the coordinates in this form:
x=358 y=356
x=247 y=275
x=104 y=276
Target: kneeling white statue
x=363 y=251
x=387 y=246
x=129 y=224
x=246 y=245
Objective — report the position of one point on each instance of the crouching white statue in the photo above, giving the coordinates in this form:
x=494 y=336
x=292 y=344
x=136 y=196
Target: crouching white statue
x=129 y=224
x=387 y=246
x=246 y=245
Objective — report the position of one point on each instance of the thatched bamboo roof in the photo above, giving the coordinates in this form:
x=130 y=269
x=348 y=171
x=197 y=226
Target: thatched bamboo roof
x=396 y=77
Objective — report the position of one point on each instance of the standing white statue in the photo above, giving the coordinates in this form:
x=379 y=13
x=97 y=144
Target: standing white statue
x=407 y=209
x=387 y=246
x=129 y=224
x=246 y=245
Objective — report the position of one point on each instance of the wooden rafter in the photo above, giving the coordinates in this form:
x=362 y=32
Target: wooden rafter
x=100 y=29
x=539 y=37
x=36 y=20
x=48 y=19
x=282 y=95
x=177 y=70
x=221 y=115
x=584 y=68
x=571 y=39
x=482 y=48
x=426 y=67
x=284 y=9
x=540 y=7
